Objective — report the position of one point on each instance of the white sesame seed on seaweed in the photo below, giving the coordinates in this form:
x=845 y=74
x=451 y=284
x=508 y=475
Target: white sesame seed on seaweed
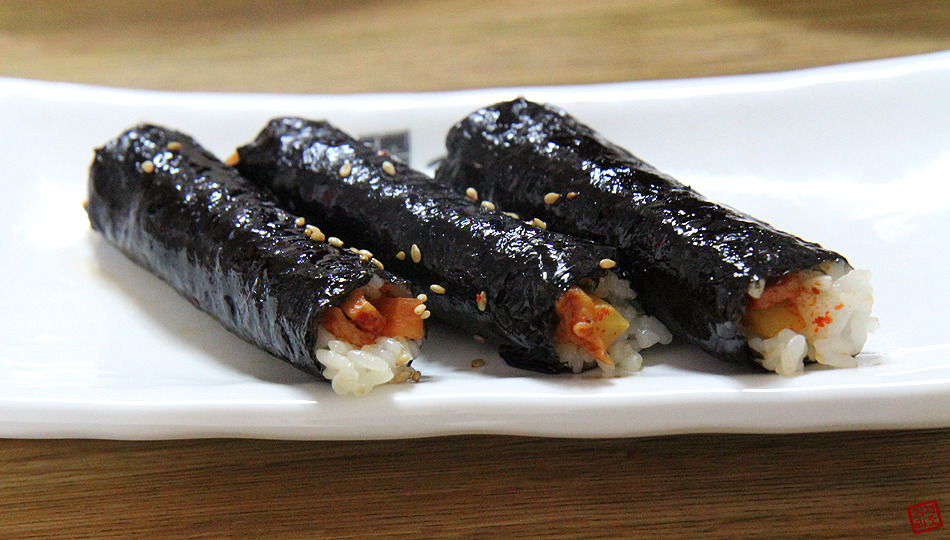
x=415 y=253
x=607 y=264
x=538 y=223
x=300 y=222
x=148 y=167
x=436 y=288
x=472 y=194
x=335 y=242
x=346 y=169
x=420 y=309
x=488 y=205
x=173 y=146
x=315 y=234
x=401 y=255
x=389 y=168
x=552 y=198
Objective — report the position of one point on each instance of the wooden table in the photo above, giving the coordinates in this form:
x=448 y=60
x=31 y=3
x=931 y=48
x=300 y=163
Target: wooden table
x=855 y=484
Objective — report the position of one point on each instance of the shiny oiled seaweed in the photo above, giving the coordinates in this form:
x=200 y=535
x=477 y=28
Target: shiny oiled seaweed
x=175 y=209
x=491 y=274
x=691 y=260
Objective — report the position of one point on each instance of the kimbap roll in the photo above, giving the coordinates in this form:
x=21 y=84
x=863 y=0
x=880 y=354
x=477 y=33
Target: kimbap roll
x=551 y=302
x=175 y=209
x=736 y=286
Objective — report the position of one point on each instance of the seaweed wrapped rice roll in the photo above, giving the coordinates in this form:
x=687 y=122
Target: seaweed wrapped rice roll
x=734 y=285
x=172 y=207
x=550 y=302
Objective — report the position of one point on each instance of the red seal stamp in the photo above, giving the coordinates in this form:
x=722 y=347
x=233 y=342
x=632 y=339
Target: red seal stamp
x=924 y=516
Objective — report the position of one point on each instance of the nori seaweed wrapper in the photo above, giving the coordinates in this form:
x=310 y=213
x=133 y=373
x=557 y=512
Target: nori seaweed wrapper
x=218 y=240
x=690 y=260
x=376 y=202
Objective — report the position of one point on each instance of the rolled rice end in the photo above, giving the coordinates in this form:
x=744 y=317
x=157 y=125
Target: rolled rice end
x=371 y=339
x=829 y=310
x=623 y=352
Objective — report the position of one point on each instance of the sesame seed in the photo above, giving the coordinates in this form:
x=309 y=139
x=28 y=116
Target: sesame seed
x=148 y=167
x=512 y=215
x=551 y=198
x=335 y=242
x=401 y=255
x=346 y=169
x=606 y=264
x=367 y=254
x=389 y=168
x=354 y=251
x=436 y=288
x=173 y=146
x=420 y=309
x=472 y=194
x=482 y=300
x=377 y=263
x=539 y=224
x=425 y=314
x=572 y=194
x=478 y=362
x=415 y=253
x=416 y=376
x=488 y=205
x=300 y=222
x=314 y=233
x=422 y=297
x=478 y=338
x=401 y=377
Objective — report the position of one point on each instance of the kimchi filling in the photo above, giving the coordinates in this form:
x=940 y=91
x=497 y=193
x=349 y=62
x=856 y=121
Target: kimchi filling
x=361 y=321
x=590 y=323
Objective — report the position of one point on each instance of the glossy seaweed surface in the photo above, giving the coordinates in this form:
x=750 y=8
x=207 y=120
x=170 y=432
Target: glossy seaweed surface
x=691 y=260
x=172 y=207
x=500 y=276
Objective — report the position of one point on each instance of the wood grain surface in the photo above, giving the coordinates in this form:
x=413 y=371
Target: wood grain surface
x=848 y=484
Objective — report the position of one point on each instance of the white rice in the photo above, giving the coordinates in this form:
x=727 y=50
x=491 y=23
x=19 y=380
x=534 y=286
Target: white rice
x=356 y=371
x=644 y=331
x=847 y=296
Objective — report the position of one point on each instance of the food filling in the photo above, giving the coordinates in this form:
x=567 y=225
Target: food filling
x=370 y=339
x=606 y=327
x=820 y=315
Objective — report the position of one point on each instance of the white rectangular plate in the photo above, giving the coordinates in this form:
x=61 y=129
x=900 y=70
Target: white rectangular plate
x=856 y=157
